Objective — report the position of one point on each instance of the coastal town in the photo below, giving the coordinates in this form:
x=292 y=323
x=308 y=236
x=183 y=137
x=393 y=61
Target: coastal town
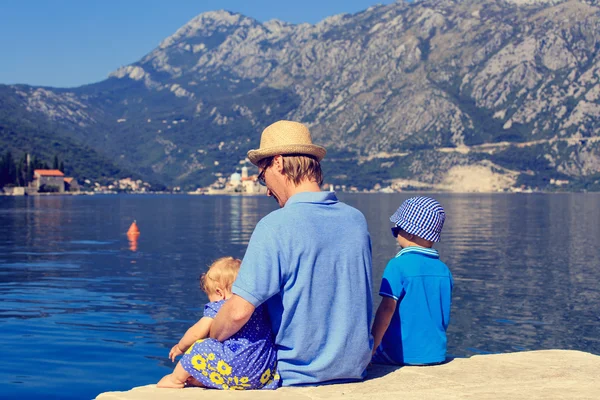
x=28 y=181
x=55 y=182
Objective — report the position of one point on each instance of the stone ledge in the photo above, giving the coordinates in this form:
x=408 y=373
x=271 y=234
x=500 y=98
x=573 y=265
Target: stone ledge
x=544 y=374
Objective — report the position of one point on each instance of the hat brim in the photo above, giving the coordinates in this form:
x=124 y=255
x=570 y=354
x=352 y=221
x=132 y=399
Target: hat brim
x=303 y=149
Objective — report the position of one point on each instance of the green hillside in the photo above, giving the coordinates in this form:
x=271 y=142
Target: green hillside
x=24 y=132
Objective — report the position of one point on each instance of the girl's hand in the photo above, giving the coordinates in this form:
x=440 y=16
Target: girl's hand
x=175 y=351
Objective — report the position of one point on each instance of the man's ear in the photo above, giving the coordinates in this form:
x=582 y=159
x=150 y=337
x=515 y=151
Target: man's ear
x=278 y=163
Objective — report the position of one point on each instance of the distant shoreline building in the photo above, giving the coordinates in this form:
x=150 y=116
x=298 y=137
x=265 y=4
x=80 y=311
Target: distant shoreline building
x=249 y=183
x=240 y=183
x=48 y=178
x=52 y=180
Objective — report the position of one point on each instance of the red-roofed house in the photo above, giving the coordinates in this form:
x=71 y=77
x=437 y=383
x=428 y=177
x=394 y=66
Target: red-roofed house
x=48 y=180
x=71 y=185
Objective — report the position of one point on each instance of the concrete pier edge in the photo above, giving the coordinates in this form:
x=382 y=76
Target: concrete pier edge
x=543 y=374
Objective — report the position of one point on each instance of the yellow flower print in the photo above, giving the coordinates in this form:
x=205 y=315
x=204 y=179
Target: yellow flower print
x=211 y=356
x=198 y=362
x=224 y=386
x=216 y=378
x=223 y=368
x=244 y=379
x=205 y=373
x=273 y=378
x=189 y=350
x=265 y=376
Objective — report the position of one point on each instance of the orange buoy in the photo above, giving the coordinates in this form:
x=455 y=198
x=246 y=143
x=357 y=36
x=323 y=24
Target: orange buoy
x=132 y=234
x=133 y=245
x=133 y=230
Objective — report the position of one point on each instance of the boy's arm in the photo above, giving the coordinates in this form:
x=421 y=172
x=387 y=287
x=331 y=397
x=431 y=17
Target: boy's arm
x=384 y=315
x=197 y=331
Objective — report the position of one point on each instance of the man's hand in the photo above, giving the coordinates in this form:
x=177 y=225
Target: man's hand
x=175 y=351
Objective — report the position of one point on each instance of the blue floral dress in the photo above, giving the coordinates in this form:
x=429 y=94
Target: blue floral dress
x=247 y=360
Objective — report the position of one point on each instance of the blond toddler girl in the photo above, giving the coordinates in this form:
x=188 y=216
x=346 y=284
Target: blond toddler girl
x=247 y=360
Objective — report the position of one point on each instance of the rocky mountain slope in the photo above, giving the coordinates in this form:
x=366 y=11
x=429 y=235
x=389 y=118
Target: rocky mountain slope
x=459 y=95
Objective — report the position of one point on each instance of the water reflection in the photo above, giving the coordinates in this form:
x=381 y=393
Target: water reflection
x=243 y=217
x=105 y=310
x=133 y=244
x=525 y=268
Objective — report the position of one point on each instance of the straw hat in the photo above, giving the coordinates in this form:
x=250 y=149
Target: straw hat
x=286 y=137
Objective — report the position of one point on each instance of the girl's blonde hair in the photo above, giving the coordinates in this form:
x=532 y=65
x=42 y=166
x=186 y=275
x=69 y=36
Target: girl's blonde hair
x=221 y=273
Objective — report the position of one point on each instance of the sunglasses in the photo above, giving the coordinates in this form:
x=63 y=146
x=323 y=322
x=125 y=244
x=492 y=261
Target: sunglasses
x=261 y=177
x=396 y=230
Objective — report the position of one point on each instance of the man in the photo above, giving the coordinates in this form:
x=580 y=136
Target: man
x=310 y=262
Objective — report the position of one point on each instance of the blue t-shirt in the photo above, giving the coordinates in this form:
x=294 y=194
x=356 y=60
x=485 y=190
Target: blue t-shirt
x=310 y=263
x=422 y=286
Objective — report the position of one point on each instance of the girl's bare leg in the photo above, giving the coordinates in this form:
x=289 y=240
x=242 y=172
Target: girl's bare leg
x=194 y=382
x=175 y=380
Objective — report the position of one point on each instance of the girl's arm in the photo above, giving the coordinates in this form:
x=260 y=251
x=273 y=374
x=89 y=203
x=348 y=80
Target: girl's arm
x=197 y=331
x=384 y=315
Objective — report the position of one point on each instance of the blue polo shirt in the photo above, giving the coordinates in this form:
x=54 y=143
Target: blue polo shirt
x=310 y=262
x=422 y=286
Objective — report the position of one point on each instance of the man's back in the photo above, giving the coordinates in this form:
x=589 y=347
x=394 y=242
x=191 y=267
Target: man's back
x=311 y=262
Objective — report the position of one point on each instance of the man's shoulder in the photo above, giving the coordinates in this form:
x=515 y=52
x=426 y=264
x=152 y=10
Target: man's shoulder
x=351 y=213
x=299 y=209
x=272 y=219
x=278 y=220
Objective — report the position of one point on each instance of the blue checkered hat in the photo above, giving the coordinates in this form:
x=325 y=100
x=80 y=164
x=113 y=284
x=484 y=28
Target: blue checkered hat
x=421 y=216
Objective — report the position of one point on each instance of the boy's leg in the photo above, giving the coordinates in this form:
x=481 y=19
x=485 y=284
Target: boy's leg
x=381 y=357
x=175 y=380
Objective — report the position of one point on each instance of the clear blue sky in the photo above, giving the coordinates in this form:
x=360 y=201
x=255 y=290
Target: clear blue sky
x=67 y=43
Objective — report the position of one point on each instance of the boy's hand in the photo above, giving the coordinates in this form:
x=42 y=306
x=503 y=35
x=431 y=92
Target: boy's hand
x=175 y=351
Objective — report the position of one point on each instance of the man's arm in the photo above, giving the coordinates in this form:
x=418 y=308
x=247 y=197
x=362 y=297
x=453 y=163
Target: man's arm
x=384 y=315
x=232 y=316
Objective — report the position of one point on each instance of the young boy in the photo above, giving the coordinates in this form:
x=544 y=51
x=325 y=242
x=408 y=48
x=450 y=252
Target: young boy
x=411 y=321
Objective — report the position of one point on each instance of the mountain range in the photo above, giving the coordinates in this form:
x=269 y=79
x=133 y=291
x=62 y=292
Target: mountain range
x=473 y=95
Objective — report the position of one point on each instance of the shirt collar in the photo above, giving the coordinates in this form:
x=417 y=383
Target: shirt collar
x=433 y=253
x=312 y=197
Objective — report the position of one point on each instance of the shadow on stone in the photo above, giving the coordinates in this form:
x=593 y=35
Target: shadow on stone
x=375 y=371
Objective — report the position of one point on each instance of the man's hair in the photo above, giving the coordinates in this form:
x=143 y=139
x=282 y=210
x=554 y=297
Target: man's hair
x=221 y=273
x=297 y=168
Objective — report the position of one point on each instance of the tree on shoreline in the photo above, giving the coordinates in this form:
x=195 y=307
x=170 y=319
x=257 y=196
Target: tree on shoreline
x=19 y=172
x=7 y=169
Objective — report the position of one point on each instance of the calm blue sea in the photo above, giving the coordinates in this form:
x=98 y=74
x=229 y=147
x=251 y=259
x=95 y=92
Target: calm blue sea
x=85 y=311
